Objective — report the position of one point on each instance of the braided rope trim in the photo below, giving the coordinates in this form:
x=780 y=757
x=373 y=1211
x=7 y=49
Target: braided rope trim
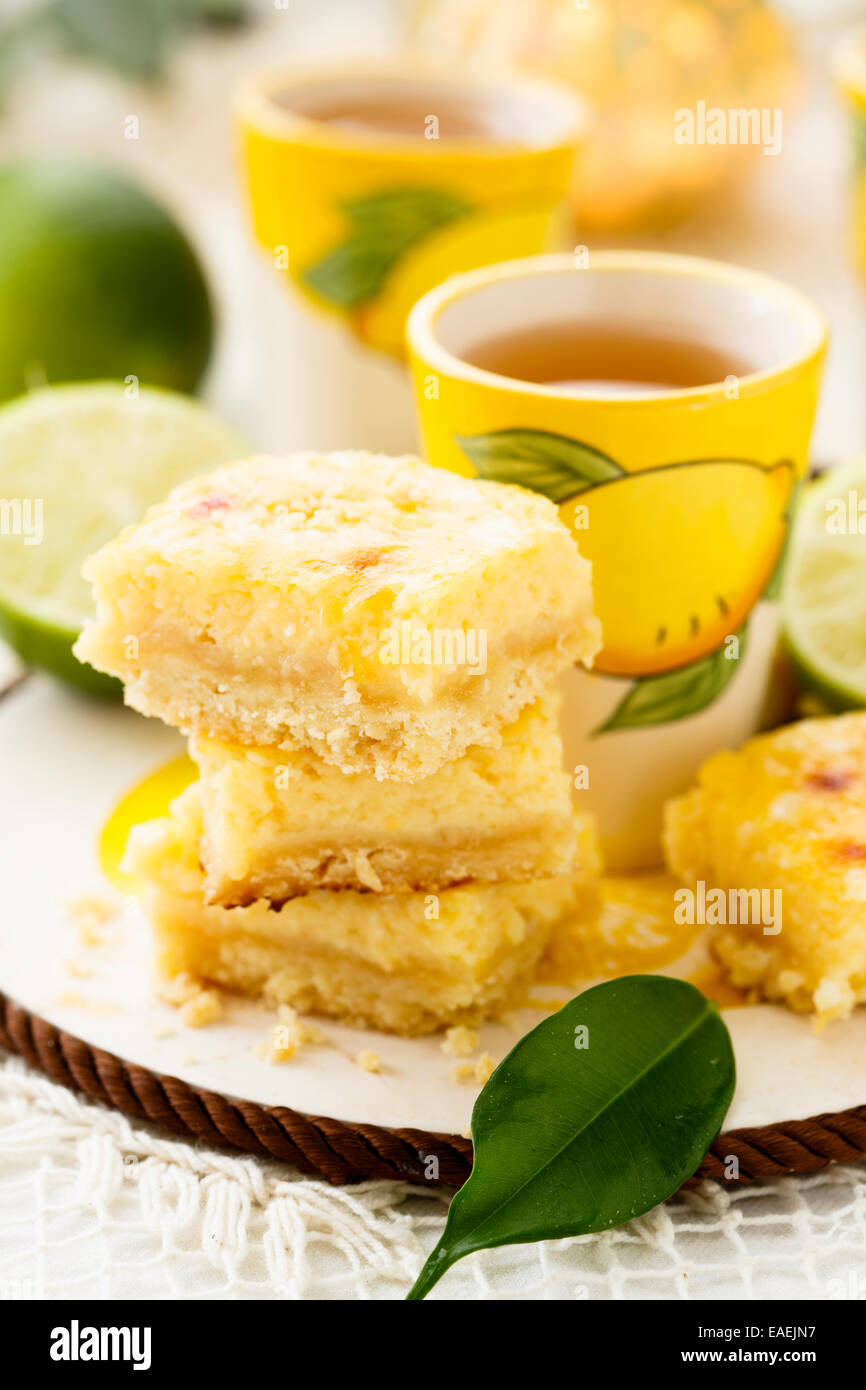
x=342 y=1152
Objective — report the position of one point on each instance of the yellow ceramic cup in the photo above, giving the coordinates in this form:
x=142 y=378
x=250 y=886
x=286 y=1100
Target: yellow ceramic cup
x=366 y=221
x=679 y=497
x=851 y=79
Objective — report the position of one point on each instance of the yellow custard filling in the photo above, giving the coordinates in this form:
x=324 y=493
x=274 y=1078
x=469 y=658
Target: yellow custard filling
x=277 y=823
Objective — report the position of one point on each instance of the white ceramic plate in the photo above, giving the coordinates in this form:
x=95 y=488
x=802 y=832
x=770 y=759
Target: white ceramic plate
x=65 y=761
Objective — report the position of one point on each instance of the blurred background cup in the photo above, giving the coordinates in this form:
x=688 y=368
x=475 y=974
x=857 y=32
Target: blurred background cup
x=850 y=69
x=635 y=63
x=369 y=183
x=679 y=496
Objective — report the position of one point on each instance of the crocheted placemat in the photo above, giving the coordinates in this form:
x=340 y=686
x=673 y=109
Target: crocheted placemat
x=343 y=1152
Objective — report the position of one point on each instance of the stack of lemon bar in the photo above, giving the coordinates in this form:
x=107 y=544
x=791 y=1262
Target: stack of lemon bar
x=362 y=652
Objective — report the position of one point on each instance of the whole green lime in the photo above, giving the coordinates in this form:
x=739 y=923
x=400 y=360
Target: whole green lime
x=96 y=281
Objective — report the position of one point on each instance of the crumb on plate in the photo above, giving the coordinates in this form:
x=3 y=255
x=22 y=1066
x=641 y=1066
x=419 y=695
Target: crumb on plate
x=476 y=1073
x=288 y=1036
x=89 y=913
x=77 y=1000
x=484 y=1069
x=459 y=1041
x=95 y=906
x=160 y=1031
x=180 y=989
x=202 y=1009
x=79 y=969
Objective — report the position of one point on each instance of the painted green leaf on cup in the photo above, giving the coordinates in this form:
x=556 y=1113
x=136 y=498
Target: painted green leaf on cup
x=404 y=214
x=677 y=694
x=596 y=1116
x=382 y=228
x=353 y=274
x=552 y=464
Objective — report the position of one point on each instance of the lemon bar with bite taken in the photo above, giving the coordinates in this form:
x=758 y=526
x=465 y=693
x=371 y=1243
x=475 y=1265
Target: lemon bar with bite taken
x=278 y=823
x=384 y=614
x=406 y=963
x=780 y=827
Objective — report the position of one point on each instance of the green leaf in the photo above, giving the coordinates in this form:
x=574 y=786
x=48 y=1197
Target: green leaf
x=552 y=464
x=573 y=1138
x=351 y=275
x=404 y=215
x=219 y=12
x=132 y=38
x=383 y=228
x=676 y=694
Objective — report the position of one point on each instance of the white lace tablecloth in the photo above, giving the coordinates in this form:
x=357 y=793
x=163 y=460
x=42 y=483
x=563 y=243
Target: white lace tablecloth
x=93 y=1206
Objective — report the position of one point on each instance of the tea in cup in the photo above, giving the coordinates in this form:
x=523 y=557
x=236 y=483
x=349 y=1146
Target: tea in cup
x=665 y=403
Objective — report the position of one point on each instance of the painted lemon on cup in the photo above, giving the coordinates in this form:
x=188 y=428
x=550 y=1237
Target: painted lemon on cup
x=680 y=553
x=488 y=235
x=400 y=242
x=680 y=557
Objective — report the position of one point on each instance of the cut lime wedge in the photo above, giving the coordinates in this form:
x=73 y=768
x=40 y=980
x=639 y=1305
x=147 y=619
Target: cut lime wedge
x=824 y=590
x=76 y=464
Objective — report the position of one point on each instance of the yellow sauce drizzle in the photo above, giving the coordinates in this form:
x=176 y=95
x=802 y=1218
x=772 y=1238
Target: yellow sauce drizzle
x=627 y=927
x=626 y=924
x=712 y=981
x=145 y=801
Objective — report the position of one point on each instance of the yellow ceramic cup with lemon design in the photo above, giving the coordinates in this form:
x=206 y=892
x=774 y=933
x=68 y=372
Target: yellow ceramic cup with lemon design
x=369 y=183
x=680 y=497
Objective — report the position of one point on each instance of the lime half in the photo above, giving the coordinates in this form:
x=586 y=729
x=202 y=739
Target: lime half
x=76 y=464
x=824 y=590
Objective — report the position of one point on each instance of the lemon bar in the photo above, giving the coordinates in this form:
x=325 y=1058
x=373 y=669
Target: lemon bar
x=405 y=963
x=780 y=827
x=278 y=823
x=383 y=613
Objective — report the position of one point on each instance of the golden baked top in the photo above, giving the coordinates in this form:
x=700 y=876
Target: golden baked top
x=356 y=522
x=793 y=799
